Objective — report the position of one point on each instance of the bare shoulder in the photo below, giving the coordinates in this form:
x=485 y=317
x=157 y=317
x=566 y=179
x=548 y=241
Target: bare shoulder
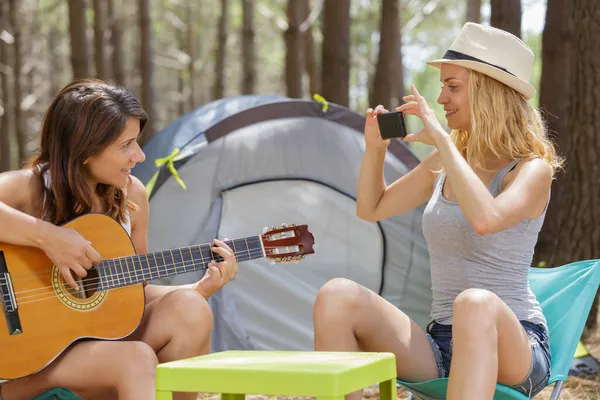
x=137 y=192
x=20 y=189
x=533 y=170
x=536 y=168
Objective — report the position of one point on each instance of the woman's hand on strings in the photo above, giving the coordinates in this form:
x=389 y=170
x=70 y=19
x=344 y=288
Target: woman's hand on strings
x=219 y=273
x=69 y=251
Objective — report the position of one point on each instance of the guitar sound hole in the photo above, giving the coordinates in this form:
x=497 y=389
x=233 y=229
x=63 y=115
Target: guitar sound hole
x=88 y=286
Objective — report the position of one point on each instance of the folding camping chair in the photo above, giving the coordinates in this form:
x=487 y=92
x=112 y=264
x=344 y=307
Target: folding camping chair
x=566 y=295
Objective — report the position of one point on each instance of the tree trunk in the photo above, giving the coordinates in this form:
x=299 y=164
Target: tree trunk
x=99 y=35
x=181 y=89
x=147 y=69
x=388 y=74
x=55 y=64
x=557 y=41
x=219 y=87
x=192 y=48
x=577 y=230
x=5 y=133
x=17 y=93
x=474 y=11
x=506 y=15
x=77 y=32
x=293 y=55
x=248 y=48
x=309 y=54
x=116 y=40
x=336 y=51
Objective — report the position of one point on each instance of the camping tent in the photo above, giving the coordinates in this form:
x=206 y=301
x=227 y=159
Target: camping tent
x=254 y=161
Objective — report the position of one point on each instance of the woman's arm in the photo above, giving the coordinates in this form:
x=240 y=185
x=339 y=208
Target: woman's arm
x=217 y=274
x=66 y=248
x=524 y=197
x=18 y=227
x=374 y=200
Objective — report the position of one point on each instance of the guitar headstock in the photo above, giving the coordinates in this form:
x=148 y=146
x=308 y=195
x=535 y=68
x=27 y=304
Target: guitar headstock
x=287 y=243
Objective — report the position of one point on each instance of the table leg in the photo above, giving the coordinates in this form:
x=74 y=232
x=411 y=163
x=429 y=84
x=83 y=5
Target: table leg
x=233 y=396
x=164 y=395
x=387 y=390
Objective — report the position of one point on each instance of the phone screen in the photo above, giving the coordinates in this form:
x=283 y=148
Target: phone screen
x=391 y=125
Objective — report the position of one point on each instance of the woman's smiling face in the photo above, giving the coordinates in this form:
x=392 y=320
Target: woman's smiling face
x=455 y=96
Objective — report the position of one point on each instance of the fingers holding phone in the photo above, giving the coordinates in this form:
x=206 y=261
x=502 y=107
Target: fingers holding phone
x=391 y=125
x=373 y=136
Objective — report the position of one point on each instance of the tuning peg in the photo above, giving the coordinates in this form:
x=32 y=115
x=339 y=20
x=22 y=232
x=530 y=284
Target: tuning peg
x=265 y=229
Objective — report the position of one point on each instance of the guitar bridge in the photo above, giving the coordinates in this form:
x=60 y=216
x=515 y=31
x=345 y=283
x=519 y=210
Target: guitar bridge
x=9 y=302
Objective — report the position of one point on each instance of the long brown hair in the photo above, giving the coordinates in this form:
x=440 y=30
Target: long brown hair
x=86 y=117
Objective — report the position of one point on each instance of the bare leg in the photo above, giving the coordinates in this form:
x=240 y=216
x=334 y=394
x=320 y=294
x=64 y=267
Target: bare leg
x=177 y=326
x=489 y=346
x=123 y=368
x=350 y=317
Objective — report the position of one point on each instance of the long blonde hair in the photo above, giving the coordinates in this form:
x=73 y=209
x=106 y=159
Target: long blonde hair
x=503 y=122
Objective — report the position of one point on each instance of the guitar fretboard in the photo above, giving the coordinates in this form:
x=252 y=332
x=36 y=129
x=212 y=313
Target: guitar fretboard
x=130 y=270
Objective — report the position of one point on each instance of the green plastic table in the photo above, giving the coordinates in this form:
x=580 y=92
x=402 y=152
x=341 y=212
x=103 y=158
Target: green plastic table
x=233 y=374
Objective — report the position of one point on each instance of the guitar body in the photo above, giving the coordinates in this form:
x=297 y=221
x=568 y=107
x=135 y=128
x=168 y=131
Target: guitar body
x=51 y=315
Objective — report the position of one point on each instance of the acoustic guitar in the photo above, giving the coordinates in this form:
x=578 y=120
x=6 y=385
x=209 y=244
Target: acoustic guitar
x=43 y=315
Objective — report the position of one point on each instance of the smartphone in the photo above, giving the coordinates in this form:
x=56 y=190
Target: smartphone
x=391 y=125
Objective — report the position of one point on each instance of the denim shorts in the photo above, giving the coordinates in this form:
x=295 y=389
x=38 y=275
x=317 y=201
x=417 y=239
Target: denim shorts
x=440 y=339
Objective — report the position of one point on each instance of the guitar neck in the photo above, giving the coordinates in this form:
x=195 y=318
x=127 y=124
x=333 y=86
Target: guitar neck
x=131 y=270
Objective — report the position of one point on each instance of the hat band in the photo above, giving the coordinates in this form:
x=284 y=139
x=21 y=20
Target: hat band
x=456 y=55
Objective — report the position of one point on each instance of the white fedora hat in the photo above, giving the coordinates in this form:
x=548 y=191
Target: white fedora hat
x=493 y=52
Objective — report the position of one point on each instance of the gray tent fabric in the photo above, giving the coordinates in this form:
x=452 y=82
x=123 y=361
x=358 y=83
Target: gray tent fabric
x=283 y=161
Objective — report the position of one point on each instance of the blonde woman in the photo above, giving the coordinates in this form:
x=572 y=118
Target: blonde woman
x=486 y=186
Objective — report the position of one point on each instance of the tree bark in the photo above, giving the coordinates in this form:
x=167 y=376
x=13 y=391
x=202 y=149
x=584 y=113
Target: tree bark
x=116 y=40
x=309 y=54
x=506 y=15
x=388 y=74
x=336 y=51
x=17 y=92
x=147 y=69
x=5 y=133
x=294 y=48
x=77 y=33
x=55 y=62
x=474 y=11
x=555 y=84
x=248 y=48
x=192 y=48
x=99 y=35
x=221 y=50
x=577 y=232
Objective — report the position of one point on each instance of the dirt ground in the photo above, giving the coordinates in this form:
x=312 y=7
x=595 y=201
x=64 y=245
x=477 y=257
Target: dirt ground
x=574 y=389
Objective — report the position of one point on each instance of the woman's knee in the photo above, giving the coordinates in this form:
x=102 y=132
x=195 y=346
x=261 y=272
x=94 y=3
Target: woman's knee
x=191 y=312
x=475 y=309
x=136 y=358
x=337 y=294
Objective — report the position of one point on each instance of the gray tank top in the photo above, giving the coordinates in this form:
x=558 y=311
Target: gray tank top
x=461 y=258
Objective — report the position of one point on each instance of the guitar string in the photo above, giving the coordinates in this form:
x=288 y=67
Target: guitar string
x=51 y=294
x=116 y=277
x=106 y=269
x=161 y=253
